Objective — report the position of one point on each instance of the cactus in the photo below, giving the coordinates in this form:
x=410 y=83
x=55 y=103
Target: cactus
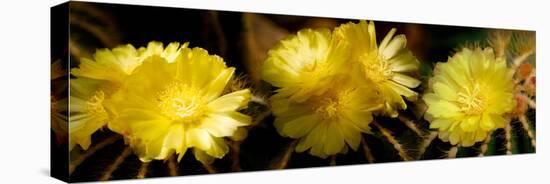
x=518 y=136
x=406 y=137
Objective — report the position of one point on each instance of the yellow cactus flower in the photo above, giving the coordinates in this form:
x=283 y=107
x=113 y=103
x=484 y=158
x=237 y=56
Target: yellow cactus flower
x=86 y=110
x=116 y=64
x=304 y=64
x=98 y=79
x=319 y=100
x=165 y=107
x=327 y=123
x=471 y=94
x=385 y=65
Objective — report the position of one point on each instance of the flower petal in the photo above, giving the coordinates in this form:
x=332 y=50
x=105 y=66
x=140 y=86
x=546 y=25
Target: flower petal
x=351 y=136
x=470 y=124
x=487 y=123
x=299 y=126
x=216 y=87
x=334 y=140
x=405 y=80
x=394 y=46
x=231 y=102
x=224 y=124
x=402 y=90
x=199 y=138
x=312 y=138
x=441 y=124
x=444 y=91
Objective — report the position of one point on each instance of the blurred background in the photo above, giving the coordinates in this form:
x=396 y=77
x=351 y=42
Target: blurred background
x=242 y=39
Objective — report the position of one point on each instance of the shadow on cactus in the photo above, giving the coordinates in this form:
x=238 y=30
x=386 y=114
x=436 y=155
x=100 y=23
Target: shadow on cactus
x=262 y=92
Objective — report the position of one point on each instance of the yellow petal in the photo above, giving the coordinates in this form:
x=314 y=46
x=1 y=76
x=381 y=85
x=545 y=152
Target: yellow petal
x=272 y=73
x=351 y=136
x=487 y=123
x=396 y=44
x=85 y=88
x=203 y=71
x=453 y=73
x=153 y=48
x=219 y=148
x=431 y=99
x=467 y=141
x=299 y=126
x=216 y=87
x=444 y=136
x=499 y=121
x=312 y=138
x=203 y=157
x=387 y=39
x=334 y=140
x=219 y=125
x=84 y=142
x=372 y=36
x=151 y=76
x=360 y=119
x=470 y=124
x=231 y=102
x=175 y=139
x=154 y=148
x=238 y=118
x=441 y=124
x=402 y=90
x=148 y=125
x=445 y=92
x=199 y=138
x=454 y=137
x=172 y=51
x=101 y=71
x=240 y=134
x=361 y=35
x=404 y=61
x=392 y=99
x=480 y=135
x=405 y=80
x=443 y=109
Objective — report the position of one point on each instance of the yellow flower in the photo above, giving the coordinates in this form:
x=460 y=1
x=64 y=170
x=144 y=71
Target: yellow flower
x=116 y=64
x=472 y=92
x=319 y=100
x=327 y=122
x=166 y=107
x=98 y=79
x=86 y=110
x=385 y=66
x=304 y=64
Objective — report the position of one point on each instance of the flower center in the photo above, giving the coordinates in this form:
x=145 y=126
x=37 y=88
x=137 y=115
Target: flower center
x=472 y=101
x=181 y=102
x=94 y=105
x=328 y=109
x=377 y=68
x=331 y=104
x=315 y=68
